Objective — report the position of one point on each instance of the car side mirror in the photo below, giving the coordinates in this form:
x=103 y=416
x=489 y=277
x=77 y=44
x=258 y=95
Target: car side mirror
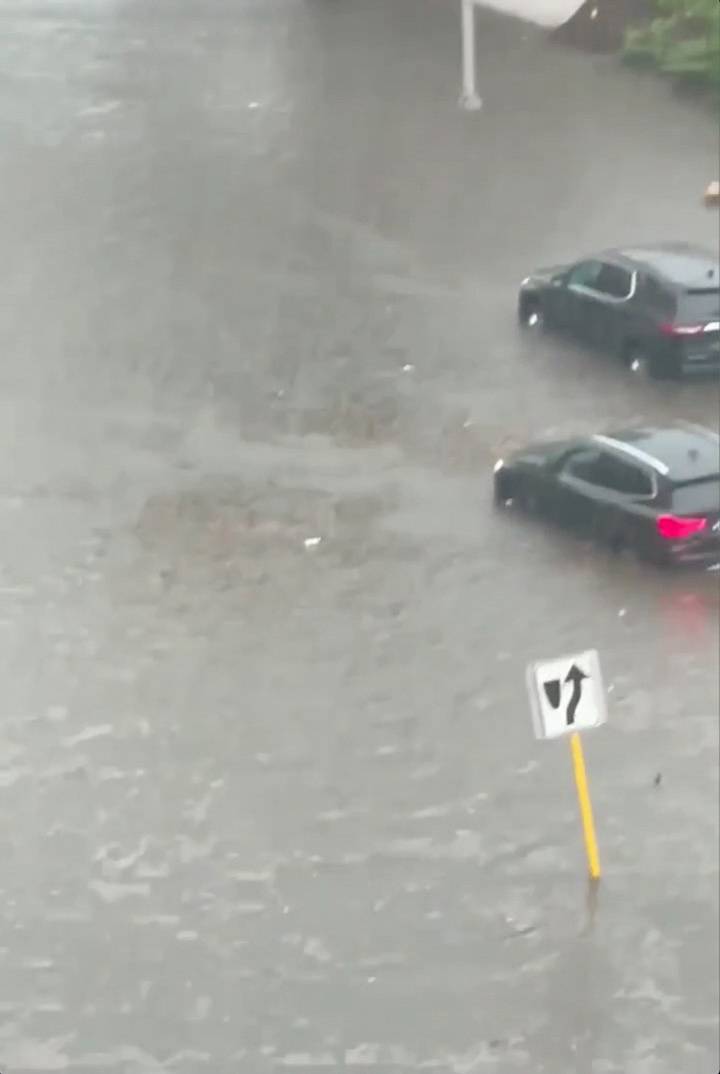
x=560 y=280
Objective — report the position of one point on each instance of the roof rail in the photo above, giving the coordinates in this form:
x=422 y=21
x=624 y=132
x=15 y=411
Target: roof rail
x=637 y=453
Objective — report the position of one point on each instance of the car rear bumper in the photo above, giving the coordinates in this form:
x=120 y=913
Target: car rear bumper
x=700 y=367
x=673 y=358
x=700 y=358
x=689 y=554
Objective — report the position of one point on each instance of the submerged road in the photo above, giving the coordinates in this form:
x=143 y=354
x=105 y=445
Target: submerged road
x=269 y=802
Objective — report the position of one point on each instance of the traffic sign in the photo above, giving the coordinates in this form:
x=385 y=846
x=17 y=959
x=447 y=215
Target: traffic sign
x=566 y=694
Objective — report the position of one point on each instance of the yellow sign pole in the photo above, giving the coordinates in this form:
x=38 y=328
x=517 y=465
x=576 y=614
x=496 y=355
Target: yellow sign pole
x=585 y=806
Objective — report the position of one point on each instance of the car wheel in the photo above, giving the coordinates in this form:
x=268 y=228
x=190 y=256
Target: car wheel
x=531 y=315
x=527 y=500
x=614 y=539
x=611 y=532
x=502 y=488
x=638 y=362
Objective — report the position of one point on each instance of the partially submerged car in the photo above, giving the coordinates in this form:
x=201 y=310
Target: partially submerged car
x=654 y=490
x=656 y=308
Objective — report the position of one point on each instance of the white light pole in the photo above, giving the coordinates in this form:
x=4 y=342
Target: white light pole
x=468 y=98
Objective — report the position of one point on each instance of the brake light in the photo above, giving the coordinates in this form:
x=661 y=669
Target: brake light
x=668 y=329
x=673 y=528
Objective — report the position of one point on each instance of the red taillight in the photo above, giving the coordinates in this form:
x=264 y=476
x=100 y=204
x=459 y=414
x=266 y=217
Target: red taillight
x=682 y=329
x=673 y=528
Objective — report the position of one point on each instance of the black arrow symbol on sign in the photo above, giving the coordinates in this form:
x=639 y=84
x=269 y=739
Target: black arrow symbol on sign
x=575 y=675
x=552 y=692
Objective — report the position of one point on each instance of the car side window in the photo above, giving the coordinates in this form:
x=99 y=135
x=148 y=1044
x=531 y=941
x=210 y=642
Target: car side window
x=608 y=472
x=584 y=274
x=627 y=478
x=584 y=465
x=614 y=281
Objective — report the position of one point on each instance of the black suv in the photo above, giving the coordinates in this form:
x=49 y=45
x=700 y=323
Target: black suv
x=656 y=307
x=653 y=490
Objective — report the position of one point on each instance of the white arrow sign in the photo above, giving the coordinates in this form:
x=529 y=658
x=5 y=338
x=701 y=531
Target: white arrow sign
x=566 y=694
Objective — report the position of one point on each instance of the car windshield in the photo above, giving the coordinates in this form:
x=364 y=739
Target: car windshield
x=701 y=496
x=699 y=305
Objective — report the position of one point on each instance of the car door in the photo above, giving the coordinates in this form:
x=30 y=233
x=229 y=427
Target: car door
x=574 y=488
x=579 y=296
x=610 y=311
x=652 y=305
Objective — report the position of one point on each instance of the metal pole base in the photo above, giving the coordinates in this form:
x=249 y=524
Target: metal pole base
x=470 y=102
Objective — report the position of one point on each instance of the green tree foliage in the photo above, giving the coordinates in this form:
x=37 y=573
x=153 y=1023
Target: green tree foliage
x=683 y=41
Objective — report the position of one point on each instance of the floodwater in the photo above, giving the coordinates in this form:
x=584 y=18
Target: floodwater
x=269 y=794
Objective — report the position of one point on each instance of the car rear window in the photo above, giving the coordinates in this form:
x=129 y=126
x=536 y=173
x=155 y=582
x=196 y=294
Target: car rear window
x=699 y=305
x=703 y=496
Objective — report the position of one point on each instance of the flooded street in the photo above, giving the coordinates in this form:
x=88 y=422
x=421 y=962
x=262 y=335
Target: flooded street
x=269 y=794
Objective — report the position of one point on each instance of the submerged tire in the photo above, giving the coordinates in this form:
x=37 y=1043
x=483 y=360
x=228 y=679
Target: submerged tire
x=639 y=363
x=502 y=488
x=531 y=316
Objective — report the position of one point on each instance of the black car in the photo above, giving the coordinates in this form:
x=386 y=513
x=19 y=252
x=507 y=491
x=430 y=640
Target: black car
x=657 y=308
x=652 y=490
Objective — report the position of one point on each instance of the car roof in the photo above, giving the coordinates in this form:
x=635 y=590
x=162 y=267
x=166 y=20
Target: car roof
x=679 y=263
x=681 y=452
